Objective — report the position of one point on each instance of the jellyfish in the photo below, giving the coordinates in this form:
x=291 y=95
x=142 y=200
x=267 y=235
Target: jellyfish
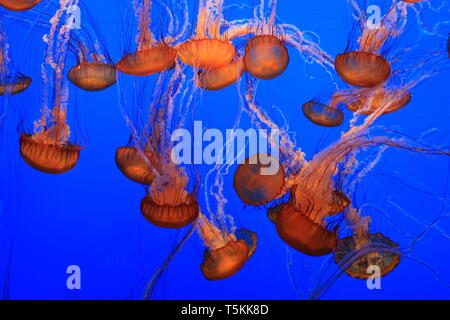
x=135 y=166
x=382 y=253
x=369 y=104
x=222 y=77
x=48 y=148
x=366 y=66
x=11 y=82
x=226 y=253
x=259 y=179
x=151 y=56
x=362 y=69
x=18 y=5
x=266 y=57
x=94 y=70
x=322 y=114
x=207 y=50
x=169 y=205
x=379 y=250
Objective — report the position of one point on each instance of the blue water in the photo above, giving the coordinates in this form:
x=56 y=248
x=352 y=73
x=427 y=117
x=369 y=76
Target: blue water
x=90 y=216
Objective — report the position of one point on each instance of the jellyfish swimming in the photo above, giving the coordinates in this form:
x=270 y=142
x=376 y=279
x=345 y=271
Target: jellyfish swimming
x=48 y=148
x=376 y=249
x=322 y=114
x=367 y=65
x=11 y=82
x=150 y=56
x=169 y=205
x=135 y=166
x=93 y=76
x=259 y=179
x=226 y=253
x=222 y=77
x=372 y=103
x=266 y=57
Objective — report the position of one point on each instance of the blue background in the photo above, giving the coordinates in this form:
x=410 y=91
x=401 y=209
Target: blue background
x=90 y=216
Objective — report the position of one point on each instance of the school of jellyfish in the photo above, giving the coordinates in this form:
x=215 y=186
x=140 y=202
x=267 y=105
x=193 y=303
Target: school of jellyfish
x=173 y=53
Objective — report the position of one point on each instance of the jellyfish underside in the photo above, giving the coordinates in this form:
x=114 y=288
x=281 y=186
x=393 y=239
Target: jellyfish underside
x=206 y=53
x=133 y=165
x=362 y=69
x=266 y=57
x=10 y=85
x=322 y=114
x=368 y=105
x=148 y=61
x=217 y=79
x=256 y=187
x=48 y=158
x=93 y=76
x=386 y=260
x=19 y=5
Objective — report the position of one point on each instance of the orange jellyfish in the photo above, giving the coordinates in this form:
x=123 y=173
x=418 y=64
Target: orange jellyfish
x=205 y=52
x=259 y=179
x=151 y=56
x=304 y=228
x=362 y=69
x=48 y=149
x=169 y=205
x=382 y=252
x=368 y=105
x=95 y=75
x=266 y=57
x=18 y=5
x=222 y=77
x=364 y=249
x=11 y=83
x=138 y=166
x=368 y=101
x=322 y=114
x=365 y=66
x=226 y=253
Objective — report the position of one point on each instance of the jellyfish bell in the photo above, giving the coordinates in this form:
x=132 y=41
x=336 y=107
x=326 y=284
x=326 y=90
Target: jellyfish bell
x=362 y=69
x=322 y=114
x=11 y=85
x=206 y=53
x=169 y=205
x=133 y=164
x=259 y=179
x=222 y=77
x=93 y=76
x=266 y=57
x=148 y=61
x=302 y=233
x=48 y=158
x=382 y=252
x=19 y=5
x=366 y=105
